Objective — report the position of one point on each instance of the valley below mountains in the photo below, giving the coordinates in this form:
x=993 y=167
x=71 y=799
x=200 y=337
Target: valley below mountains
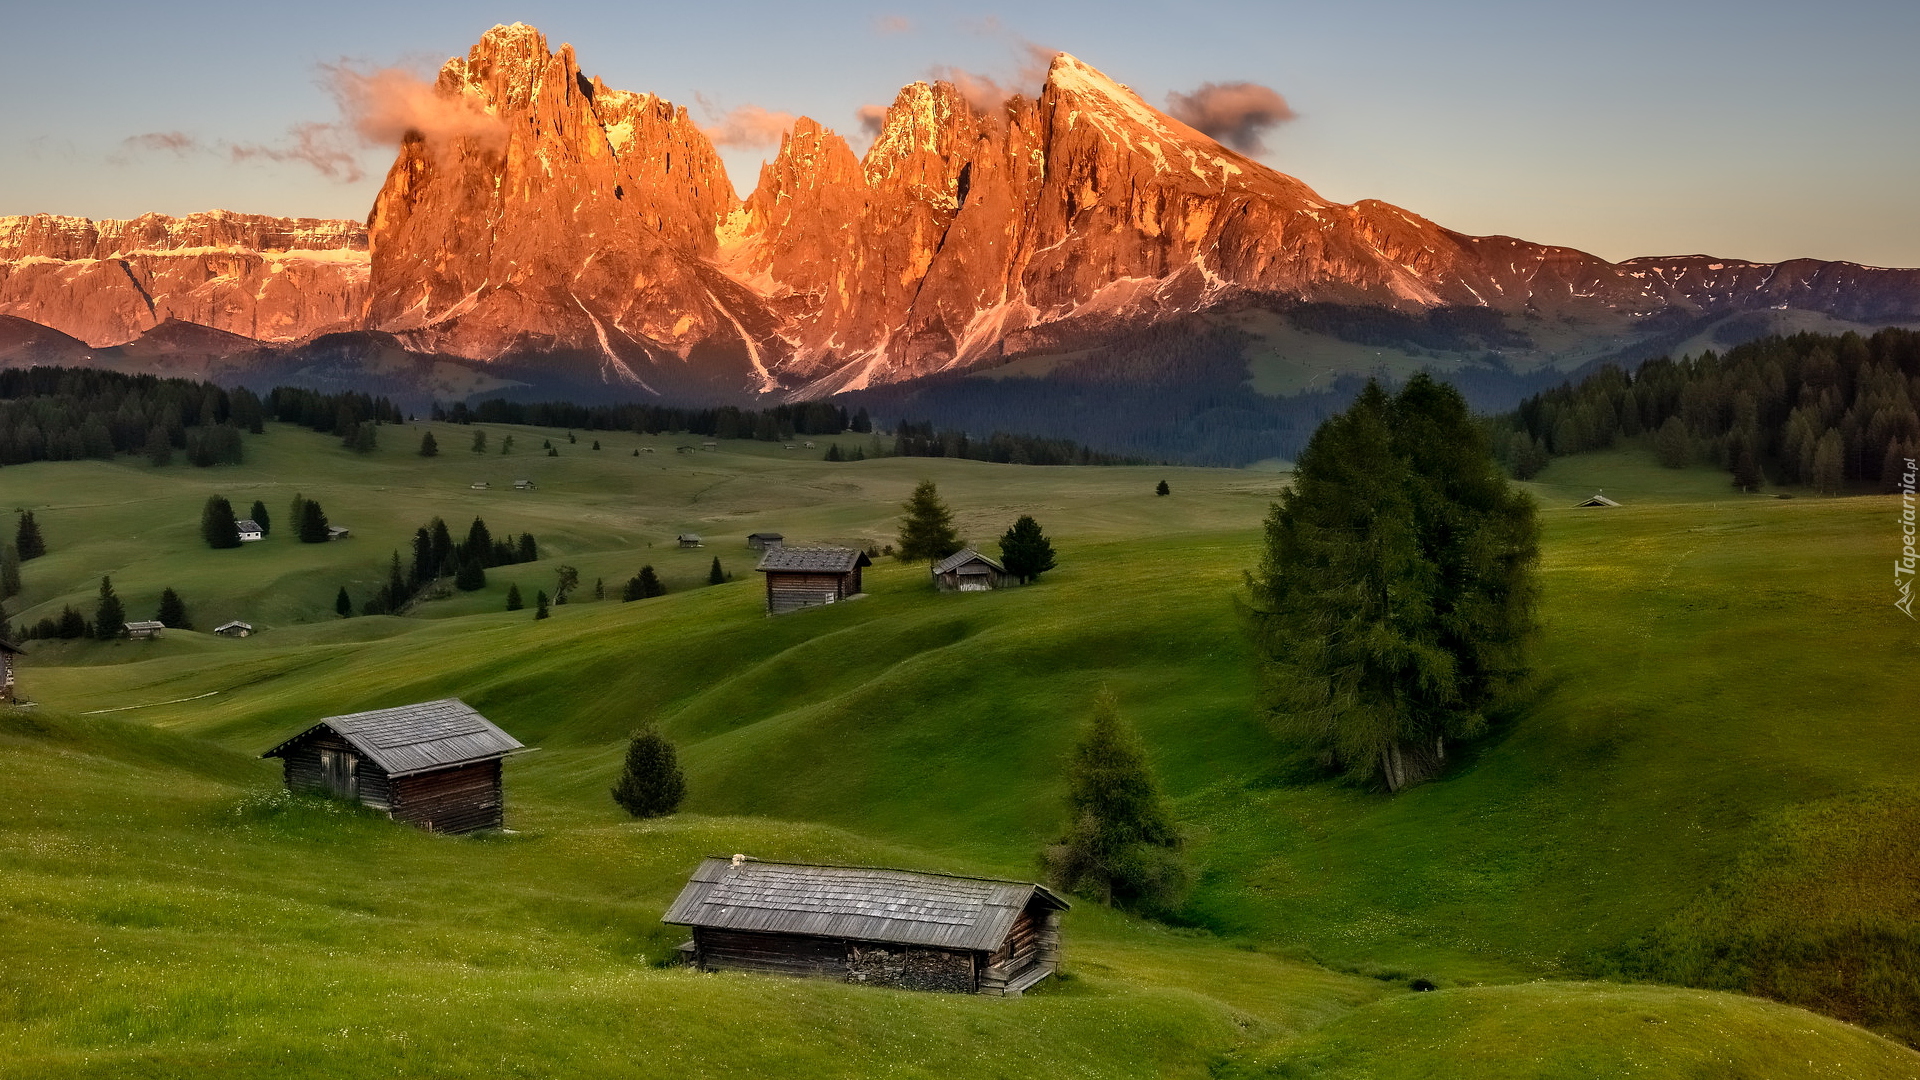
x=572 y=239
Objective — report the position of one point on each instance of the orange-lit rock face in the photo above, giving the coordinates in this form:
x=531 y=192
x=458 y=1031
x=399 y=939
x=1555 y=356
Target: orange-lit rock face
x=570 y=218
x=107 y=282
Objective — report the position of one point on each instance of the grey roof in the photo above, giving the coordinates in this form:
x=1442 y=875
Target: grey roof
x=1598 y=500
x=247 y=525
x=962 y=557
x=857 y=902
x=821 y=560
x=765 y=536
x=146 y=624
x=233 y=623
x=417 y=738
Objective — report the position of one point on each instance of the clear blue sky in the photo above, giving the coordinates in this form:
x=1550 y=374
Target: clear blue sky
x=1759 y=129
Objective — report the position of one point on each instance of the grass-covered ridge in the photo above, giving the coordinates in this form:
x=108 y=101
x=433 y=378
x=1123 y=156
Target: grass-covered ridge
x=1710 y=663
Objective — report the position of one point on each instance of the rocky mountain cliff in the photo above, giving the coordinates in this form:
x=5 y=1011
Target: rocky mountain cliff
x=597 y=227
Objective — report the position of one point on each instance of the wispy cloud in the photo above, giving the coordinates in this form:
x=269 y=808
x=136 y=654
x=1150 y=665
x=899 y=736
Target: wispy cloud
x=748 y=125
x=988 y=92
x=887 y=25
x=872 y=118
x=1238 y=114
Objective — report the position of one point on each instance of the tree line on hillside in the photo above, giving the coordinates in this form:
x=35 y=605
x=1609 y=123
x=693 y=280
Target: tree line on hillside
x=1815 y=409
x=719 y=422
x=921 y=440
x=927 y=534
x=70 y=414
x=109 y=619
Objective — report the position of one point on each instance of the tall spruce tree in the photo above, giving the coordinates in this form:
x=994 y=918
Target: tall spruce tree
x=173 y=611
x=479 y=546
x=926 y=526
x=428 y=447
x=480 y=441
x=1025 y=551
x=217 y=526
x=27 y=541
x=260 y=518
x=343 y=604
x=397 y=592
x=715 y=575
x=110 y=621
x=313 y=523
x=1121 y=844
x=470 y=576
x=9 y=572
x=1395 y=603
x=514 y=603
x=540 y=606
x=651 y=783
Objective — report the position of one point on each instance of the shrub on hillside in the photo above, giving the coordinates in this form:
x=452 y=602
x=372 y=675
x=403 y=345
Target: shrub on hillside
x=1121 y=844
x=651 y=783
x=217 y=526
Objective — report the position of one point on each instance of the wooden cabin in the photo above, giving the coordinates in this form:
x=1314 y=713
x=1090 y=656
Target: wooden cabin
x=338 y=532
x=8 y=651
x=146 y=628
x=479 y=485
x=857 y=924
x=761 y=541
x=435 y=765
x=250 y=530
x=1597 y=500
x=689 y=540
x=523 y=485
x=807 y=577
x=967 y=570
x=235 y=628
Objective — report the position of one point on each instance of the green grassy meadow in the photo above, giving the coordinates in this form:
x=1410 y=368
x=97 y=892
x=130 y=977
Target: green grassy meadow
x=1715 y=737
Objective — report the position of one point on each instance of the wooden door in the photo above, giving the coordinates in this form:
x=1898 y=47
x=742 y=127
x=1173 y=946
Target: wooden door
x=339 y=773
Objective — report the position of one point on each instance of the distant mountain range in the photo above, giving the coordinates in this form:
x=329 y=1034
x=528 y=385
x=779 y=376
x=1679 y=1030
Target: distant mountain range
x=576 y=238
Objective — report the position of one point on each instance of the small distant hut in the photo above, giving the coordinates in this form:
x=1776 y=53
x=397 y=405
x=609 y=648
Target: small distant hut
x=523 y=485
x=147 y=628
x=8 y=651
x=1597 y=500
x=807 y=577
x=480 y=485
x=916 y=931
x=689 y=540
x=761 y=541
x=250 y=530
x=709 y=445
x=338 y=532
x=967 y=570
x=435 y=764
x=235 y=628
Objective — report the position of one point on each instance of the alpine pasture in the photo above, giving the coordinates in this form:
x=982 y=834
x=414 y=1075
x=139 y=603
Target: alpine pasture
x=1719 y=694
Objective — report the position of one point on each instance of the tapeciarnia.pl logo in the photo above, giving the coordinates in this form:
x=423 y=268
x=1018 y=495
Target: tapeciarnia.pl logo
x=1903 y=567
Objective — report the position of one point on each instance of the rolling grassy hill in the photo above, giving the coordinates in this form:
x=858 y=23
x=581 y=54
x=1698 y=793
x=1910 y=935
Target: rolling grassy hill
x=1715 y=670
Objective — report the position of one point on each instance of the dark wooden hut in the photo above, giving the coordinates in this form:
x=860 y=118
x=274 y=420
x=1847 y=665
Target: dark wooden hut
x=967 y=570
x=1597 y=500
x=8 y=651
x=435 y=764
x=761 y=541
x=917 y=931
x=799 y=577
x=689 y=540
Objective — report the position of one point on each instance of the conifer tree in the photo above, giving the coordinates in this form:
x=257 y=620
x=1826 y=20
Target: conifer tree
x=479 y=546
x=442 y=547
x=1828 y=463
x=1671 y=445
x=1121 y=844
x=540 y=605
x=470 y=576
x=313 y=523
x=514 y=602
x=27 y=541
x=1025 y=550
x=173 y=611
x=297 y=511
x=506 y=445
x=110 y=621
x=365 y=437
x=715 y=575
x=9 y=572
x=343 y=604
x=159 y=448
x=926 y=526
x=428 y=447
x=1162 y=489
x=217 y=526
x=833 y=452
x=651 y=783
x=1395 y=603
x=397 y=591
x=527 y=551
x=568 y=580
x=260 y=518
x=650 y=585
x=479 y=440
x=72 y=625
x=425 y=567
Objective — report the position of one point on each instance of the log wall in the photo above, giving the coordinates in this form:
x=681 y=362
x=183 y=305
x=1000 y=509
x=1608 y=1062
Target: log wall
x=456 y=800
x=791 y=591
x=904 y=966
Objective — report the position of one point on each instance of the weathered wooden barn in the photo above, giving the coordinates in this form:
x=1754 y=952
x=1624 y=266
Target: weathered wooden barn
x=761 y=541
x=1597 y=500
x=435 y=764
x=689 y=540
x=917 y=931
x=800 y=577
x=235 y=628
x=967 y=570
x=8 y=651
x=145 y=628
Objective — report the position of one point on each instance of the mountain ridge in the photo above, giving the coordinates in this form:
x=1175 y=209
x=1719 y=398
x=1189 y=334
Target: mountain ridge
x=567 y=218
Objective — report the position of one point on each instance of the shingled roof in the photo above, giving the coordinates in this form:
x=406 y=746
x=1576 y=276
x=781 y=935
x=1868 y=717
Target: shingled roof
x=815 y=560
x=961 y=558
x=860 y=903
x=417 y=738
